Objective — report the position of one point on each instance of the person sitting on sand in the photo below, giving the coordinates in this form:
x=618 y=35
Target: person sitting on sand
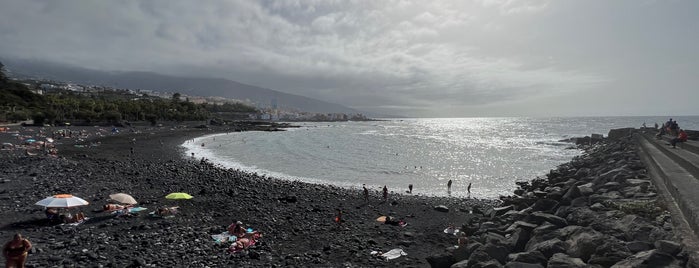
x=51 y=214
x=166 y=211
x=681 y=137
x=237 y=229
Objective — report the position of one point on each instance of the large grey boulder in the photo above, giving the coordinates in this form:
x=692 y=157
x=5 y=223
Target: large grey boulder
x=669 y=247
x=528 y=257
x=545 y=205
x=584 y=243
x=442 y=260
x=523 y=265
x=550 y=247
x=649 y=258
x=539 y=217
x=560 y=260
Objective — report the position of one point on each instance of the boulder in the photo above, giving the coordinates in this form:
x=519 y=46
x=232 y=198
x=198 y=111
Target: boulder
x=583 y=243
x=669 y=247
x=442 y=260
x=464 y=252
x=539 y=217
x=499 y=211
x=550 y=247
x=648 y=258
x=523 y=265
x=497 y=252
x=544 y=205
x=528 y=257
x=461 y=264
x=585 y=189
x=560 y=260
x=572 y=193
x=487 y=264
x=519 y=238
x=638 y=246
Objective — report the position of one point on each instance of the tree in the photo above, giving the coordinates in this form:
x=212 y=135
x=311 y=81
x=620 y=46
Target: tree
x=176 y=97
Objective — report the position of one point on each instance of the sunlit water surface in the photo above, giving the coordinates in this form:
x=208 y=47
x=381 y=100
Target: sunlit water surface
x=490 y=153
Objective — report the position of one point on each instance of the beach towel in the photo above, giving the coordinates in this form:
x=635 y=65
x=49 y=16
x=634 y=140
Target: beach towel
x=451 y=230
x=224 y=238
x=394 y=253
x=137 y=209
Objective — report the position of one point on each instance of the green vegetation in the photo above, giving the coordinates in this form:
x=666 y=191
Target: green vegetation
x=19 y=103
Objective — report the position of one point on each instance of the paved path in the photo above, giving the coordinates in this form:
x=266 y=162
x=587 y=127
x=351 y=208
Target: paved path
x=675 y=172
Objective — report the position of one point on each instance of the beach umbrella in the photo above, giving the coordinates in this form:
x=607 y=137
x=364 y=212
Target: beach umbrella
x=62 y=201
x=178 y=196
x=123 y=198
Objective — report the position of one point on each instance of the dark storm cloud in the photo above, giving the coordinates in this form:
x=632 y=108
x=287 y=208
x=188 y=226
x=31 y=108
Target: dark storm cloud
x=419 y=58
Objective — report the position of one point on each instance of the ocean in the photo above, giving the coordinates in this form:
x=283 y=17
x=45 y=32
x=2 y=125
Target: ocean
x=489 y=153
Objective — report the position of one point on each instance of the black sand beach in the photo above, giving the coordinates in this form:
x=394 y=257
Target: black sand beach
x=296 y=219
x=572 y=218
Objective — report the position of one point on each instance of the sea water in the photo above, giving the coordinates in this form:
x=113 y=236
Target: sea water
x=491 y=154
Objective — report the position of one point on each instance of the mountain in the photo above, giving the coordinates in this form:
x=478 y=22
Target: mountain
x=194 y=86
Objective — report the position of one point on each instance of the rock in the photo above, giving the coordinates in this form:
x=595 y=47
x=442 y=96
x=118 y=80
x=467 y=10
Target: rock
x=648 y=258
x=461 y=264
x=597 y=207
x=442 y=260
x=669 y=247
x=520 y=224
x=560 y=260
x=528 y=257
x=487 y=264
x=478 y=256
x=441 y=208
x=523 y=265
x=519 y=238
x=572 y=193
x=585 y=189
x=609 y=253
x=638 y=246
x=544 y=205
x=550 y=247
x=584 y=242
x=499 y=211
x=539 y=217
x=497 y=252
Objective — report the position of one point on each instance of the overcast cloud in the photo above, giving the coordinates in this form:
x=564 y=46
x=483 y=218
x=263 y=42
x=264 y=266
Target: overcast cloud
x=414 y=58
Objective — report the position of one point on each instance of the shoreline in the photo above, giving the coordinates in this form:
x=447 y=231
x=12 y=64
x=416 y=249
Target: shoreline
x=295 y=217
x=546 y=221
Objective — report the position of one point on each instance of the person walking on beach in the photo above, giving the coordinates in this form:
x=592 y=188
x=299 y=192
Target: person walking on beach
x=338 y=217
x=385 y=193
x=16 y=251
x=468 y=189
x=366 y=193
x=410 y=188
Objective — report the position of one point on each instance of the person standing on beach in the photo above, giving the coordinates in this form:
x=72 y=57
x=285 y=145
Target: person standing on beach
x=410 y=188
x=449 y=186
x=468 y=189
x=385 y=193
x=366 y=193
x=16 y=251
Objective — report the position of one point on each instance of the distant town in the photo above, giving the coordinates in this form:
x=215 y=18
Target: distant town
x=264 y=111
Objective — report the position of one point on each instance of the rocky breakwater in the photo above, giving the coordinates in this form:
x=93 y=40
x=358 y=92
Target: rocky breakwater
x=599 y=210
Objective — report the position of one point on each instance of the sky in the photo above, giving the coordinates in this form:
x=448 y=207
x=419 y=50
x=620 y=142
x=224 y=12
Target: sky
x=408 y=58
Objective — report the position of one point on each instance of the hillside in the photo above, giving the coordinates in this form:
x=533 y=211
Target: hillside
x=158 y=82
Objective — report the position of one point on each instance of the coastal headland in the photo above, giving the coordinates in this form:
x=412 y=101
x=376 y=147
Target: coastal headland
x=600 y=210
